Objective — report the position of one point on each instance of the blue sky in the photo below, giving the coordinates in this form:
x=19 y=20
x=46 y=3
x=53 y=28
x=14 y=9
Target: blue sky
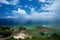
x=36 y=10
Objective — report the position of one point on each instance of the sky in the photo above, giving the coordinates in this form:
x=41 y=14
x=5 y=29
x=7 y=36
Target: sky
x=35 y=10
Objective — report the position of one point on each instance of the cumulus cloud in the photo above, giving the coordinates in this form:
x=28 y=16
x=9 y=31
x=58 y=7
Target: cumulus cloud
x=20 y=11
x=17 y=13
x=4 y=2
x=35 y=15
x=42 y=0
x=11 y=17
x=13 y=2
x=40 y=15
x=51 y=15
x=51 y=7
x=49 y=1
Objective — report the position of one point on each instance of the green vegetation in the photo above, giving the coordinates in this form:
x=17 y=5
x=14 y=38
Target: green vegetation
x=7 y=32
x=10 y=38
x=53 y=37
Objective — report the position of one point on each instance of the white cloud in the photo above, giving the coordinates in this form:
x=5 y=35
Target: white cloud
x=44 y=15
x=17 y=13
x=50 y=1
x=13 y=2
x=4 y=2
x=40 y=15
x=41 y=0
x=48 y=7
x=51 y=7
x=20 y=11
x=34 y=15
x=11 y=17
